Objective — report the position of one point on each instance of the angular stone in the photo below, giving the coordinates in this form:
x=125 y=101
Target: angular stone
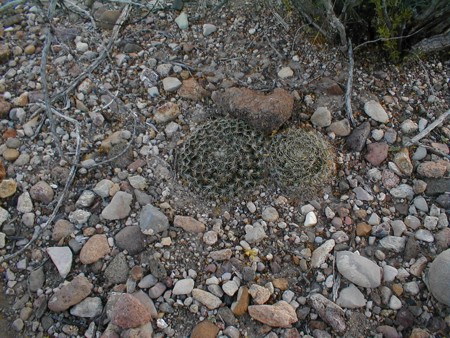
x=377 y=152
x=393 y=243
x=171 y=84
x=94 y=249
x=431 y=169
x=320 y=254
x=119 y=207
x=208 y=299
x=4 y=216
x=36 y=280
x=281 y=314
x=374 y=110
x=403 y=162
x=221 y=255
x=331 y=313
x=259 y=293
x=402 y=191
x=62 y=258
x=264 y=112
x=321 y=117
x=285 y=72
x=42 y=192
x=340 y=128
x=128 y=312
x=357 y=139
x=189 y=224
x=208 y=29
x=70 y=294
x=240 y=306
x=351 y=298
x=131 y=239
x=167 y=112
x=88 y=308
x=183 y=287
x=205 y=329
x=117 y=270
x=359 y=270
x=62 y=229
x=192 y=90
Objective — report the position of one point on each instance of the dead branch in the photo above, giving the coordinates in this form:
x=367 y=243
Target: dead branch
x=433 y=44
x=11 y=4
x=428 y=129
x=335 y=22
x=348 y=91
x=387 y=39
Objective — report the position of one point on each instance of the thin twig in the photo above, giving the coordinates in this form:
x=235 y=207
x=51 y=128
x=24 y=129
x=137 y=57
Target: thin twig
x=428 y=129
x=80 y=11
x=386 y=39
x=348 y=91
x=11 y=4
x=270 y=44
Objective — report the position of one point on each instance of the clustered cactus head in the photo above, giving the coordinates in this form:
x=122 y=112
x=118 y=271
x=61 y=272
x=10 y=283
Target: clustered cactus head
x=226 y=157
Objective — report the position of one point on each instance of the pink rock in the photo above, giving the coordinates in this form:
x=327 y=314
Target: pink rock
x=189 y=224
x=73 y=293
x=432 y=169
x=281 y=314
x=377 y=152
x=129 y=312
x=95 y=248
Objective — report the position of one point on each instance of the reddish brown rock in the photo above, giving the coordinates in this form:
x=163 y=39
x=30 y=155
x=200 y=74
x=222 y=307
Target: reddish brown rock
x=192 y=90
x=240 y=306
x=2 y=171
x=70 y=294
x=281 y=314
x=128 y=312
x=95 y=248
x=205 y=329
x=4 y=53
x=266 y=113
x=363 y=229
x=377 y=152
x=189 y=224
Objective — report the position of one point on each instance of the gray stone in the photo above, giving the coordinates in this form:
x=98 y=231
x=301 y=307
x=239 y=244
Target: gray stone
x=359 y=270
x=389 y=273
x=430 y=222
x=409 y=126
x=156 y=290
x=362 y=195
x=164 y=69
x=24 y=203
x=424 y=235
x=270 y=214
x=254 y=233
x=374 y=110
x=208 y=29
x=320 y=254
x=419 y=154
x=102 y=188
x=147 y=281
x=412 y=222
x=182 y=21
x=131 y=239
x=402 y=191
x=331 y=313
x=152 y=221
x=171 y=84
x=285 y=72
x=183 y=287
x=340 y=128
x=398 y=227
x=351 y=298
x=439 y=277
x=420 y=203
x=357 y=139
x=90 y=307
x=394 y=243
x=36 y=280
x=321 y=117
x=62 y=257
x=117 y=270
x=206 y=298
x=119 y=207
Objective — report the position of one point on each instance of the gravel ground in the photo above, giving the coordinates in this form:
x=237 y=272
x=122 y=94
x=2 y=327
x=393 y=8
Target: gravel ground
x=135 y=247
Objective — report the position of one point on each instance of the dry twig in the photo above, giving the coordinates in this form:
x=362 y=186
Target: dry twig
x=348 y=91
x=428 y=129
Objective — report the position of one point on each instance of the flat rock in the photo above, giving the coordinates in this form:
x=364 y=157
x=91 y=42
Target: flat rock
x=351 y=298
x=131 y=239
x=129 y=312
x=320 y=254
x=42 y=192
x=374 y=110
x=439 y=277
x=393 y=243
x=377 y=152
x=192 y=90
x=359 y=270
x=260 y=294
x=205 y=329
x=70 y=294
x=362 y=194
x=206 y=298
x=357 y=139
x=90 y=307
x=117 y=271
x=62 y=257
x=208 y=29
x=281 y=314
x=94 y=249
x=119 y=207
x=36 y=279
x=24 y=203
x=340 y=128
x=330 y=312
x=183 y=287
x=321 y=117
x=171 y=84
x=266 y=113
x=221 y=255
x=189 y=224
x=285 y=72
x=402 y=191
x=431 y=169
x=62 y=229
x=152 y=221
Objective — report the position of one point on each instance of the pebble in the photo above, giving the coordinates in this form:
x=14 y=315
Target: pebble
x=86 y=199
x=119 y=207
x=70 y=294
x=285 y=73
x=310 y=219
x=164 y=69
x=395 y=303
x=374 y=110
x=138 y=182
x=189 y=224
x=206 y=298
x=90 y=307
x=24 y=203
x=254 y=233
x=182 y=21
x=389 y=273
x=260 y=294
x=36 y=279
x=240 y=306
x=11 y=155
x=18 y=325
x=419 y=154
x=251 y=207
x=205 y=329
x=42 y=192
x=394 y=243
x=171 y=84
x=208 y=29
x=430 y=222
x=103 y=187
x=403 y=162
x=377 y=152
x=210 y=237
x=167 y=112
x=152 y=221
x=129 y=312
x=183 y=287
x=340 y=128
x=321 y=117
x=431 y=169
x=281 y=314
x=402 y=191
x=439 y=277
x=398 y=227
x=270 y=214
x=320 y=254
x=359 y=270
x=362 y=194
x=409 y=126
x=157 y=290
x=221 y=255
x=331 y=313
x=351 y=297
x=148 y=281
x=117 y=270
x=62 y=258
x=82 y=47
x=388 y=331
x=420 y=203
x=95 y=248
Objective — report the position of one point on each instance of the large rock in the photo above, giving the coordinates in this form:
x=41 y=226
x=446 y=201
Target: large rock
x=357 y=139
x=263 y=112
x=119 y=207
x=129 y=312
x=152 y=221
x=95 y=248
x=376 y=111
x=131 y=239
x=331 y=313
x=70 y=294
x=439 y=277
x=281 y=314
x=359 y=270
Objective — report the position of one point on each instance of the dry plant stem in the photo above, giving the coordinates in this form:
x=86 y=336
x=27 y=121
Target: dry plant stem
x=80 y=11
x=335 y=22
x=11 y=4
x=433 y=150
x=428 y=129
x=38 y=229
x=348 y=91
x=386 y=39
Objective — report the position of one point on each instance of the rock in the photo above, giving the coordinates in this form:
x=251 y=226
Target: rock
x=205 y=329
x=86 y=199
x=4 y=216
x=129 y=312
x=36 y=279
x=330 y=312
x=221 y=255
x=420 y=203
x=62 y=258
x=254 y=233
x=210 y=237
x=260 y=294
x=374 y=110
x=131 y=239
x=351 y=298
x=106 y=19
x=5 y=106
x=117 y=270
x=95 y=248
x=432 y=169
x=363 y=229
x=270 y=214
x=24 y=203
x=171 y=84
x=208 y=29
x=167 y=112
x=321 y=117
x=189 y=224
x=192 y=90
x=394 y=243
x=240 y=306
x=388 y=331
x=42 y=192
x=70 y=294
x=390 y=179
x=310 y=219
x=119 y=207
x=389 y=273
x=263 y=112
x=148 y=281
x=281 y=314
x=183 y=287
x=359 y=270
x=395 y=303
x=340 y=128
x=208 y=299
x=164 y=69
x=362 y=194
x=437 y=186
x=419 y=154
x=409 y=126
x=103 y=187
x=357 y=139
x=230 y=287
x=377 y=152
x=419 y=333
x=11 y=155
x=402 y=191
x=439 y=277
x=182 y=21
x=285 y=72
x=157 y=290
x=403 y=162
x=320 y=254
x=152 y=221
x=88 y=308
